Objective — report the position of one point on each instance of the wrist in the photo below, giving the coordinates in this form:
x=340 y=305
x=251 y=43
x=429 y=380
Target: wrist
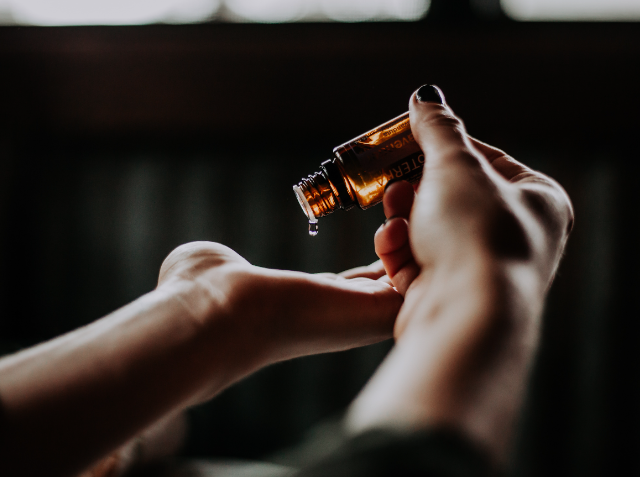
x=465 y=339
x=198 y=301
x=224 y=338
x=473 y=284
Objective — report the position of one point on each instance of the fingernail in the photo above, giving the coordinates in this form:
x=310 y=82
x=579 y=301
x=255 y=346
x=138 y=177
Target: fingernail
x=390 y=218
x=430 y=94
x=392 y=181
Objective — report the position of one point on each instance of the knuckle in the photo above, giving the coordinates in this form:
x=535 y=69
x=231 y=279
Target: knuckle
x=551 y=205
x=447 y=121
x=441 y=117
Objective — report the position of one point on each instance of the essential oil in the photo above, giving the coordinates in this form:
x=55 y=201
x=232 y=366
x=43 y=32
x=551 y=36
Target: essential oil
x=360 y=169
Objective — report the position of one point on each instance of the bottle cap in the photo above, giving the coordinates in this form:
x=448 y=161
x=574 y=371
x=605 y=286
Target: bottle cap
x=302 y=200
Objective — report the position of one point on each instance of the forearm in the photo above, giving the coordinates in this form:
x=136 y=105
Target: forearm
x=483 y=235
x=465 y=363
x=76 y=398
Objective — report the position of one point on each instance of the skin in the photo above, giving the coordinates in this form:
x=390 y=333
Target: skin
x=474 y=252
x=473 y=256
x=212 y=320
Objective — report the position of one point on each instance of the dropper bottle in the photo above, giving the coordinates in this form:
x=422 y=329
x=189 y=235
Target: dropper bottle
x=360 y=169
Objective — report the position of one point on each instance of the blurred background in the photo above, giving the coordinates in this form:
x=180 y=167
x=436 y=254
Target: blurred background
x=130 y=127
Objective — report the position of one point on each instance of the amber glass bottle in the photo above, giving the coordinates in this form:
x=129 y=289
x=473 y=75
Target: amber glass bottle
x=360 y=170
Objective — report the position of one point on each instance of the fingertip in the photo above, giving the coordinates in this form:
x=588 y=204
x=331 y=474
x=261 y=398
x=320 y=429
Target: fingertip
x=440 y=134
x=398 y=199
x=396 y=185
x=428 y=109
x=391 y=236
x=405 y=277
x=429 y=93
x=393 y=248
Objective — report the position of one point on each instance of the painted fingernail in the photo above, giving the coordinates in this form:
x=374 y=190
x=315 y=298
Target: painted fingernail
x=430 y=94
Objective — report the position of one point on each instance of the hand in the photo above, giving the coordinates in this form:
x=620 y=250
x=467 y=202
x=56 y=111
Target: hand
x=474 y=253
x=212 y=319
x=473 y=200
x=273 y=315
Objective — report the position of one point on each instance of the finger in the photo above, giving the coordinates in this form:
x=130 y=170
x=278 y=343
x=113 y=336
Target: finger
x=545 y=197
x=359 y=311
x=398 y=199
x=392 y=246
x=392 y=239
x=372 y=271
x=440 y=134
x=329 y=275
x=319 y=315
x=504 y=164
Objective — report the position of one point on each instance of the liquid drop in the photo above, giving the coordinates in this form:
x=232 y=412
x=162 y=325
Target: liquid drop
x=313 y=228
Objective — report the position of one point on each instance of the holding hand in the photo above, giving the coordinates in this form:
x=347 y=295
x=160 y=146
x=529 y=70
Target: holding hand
x=474 y=253
x=472 y=198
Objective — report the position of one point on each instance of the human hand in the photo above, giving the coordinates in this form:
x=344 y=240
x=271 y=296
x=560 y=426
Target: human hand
x=474 y=253
x=272 y=315
x=212 y=319
x=474 y=200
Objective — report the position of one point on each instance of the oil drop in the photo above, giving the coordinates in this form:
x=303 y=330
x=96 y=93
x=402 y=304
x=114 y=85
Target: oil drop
x=302 y=200
x=313 y=228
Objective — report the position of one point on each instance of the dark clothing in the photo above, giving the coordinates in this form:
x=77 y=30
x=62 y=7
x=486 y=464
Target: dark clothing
x=432 y=453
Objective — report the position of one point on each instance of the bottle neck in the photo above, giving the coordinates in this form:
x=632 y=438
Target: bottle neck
x=324 y=192
x=316 y=196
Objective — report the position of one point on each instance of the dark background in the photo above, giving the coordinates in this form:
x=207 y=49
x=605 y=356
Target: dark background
x=119 y=143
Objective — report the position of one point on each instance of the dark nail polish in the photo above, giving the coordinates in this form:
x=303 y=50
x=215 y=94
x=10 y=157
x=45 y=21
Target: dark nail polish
x=429 y=94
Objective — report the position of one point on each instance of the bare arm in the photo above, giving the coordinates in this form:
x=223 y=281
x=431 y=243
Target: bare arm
x=212 y=320
x=474 y=254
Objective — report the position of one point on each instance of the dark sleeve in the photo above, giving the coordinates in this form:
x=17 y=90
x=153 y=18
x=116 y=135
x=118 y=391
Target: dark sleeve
x=430 y=453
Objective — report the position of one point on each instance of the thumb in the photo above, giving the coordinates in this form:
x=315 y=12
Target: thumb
x=439 y=133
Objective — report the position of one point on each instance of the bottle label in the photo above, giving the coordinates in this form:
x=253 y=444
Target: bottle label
x=389 y=151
